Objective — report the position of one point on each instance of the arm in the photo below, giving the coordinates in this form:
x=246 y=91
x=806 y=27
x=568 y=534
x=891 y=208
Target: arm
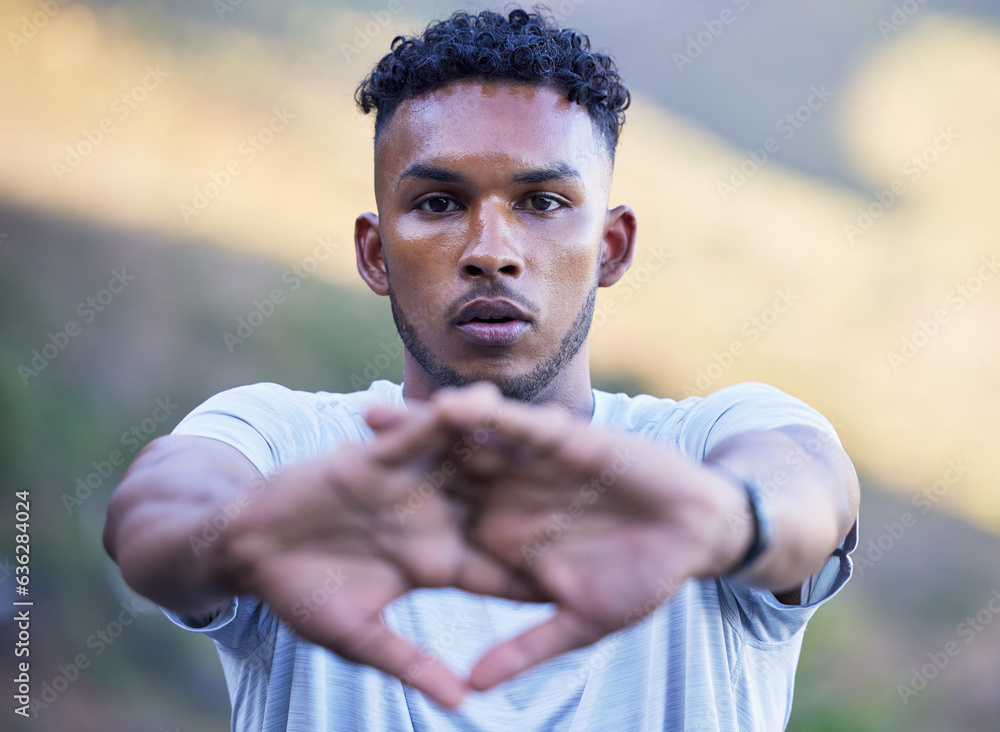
x=608 y=525
x=160 y=529
x=813 y=493
x=287 y=536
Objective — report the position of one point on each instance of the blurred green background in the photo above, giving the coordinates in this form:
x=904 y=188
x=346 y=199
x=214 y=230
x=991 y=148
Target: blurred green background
x=164 y=169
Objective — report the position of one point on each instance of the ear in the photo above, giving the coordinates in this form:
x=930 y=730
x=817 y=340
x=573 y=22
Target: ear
x=617 y=246
x=368 y=247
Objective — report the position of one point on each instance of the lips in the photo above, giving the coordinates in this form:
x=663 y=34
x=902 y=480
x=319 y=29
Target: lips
x=491 y=322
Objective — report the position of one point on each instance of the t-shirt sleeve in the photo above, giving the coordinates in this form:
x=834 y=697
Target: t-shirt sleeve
x=769 y=620
x=209 y=623
x=271 y=425
x=743 y=408
x=236 y=626
x=756 y=407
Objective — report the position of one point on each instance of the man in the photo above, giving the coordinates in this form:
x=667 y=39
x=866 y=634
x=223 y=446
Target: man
x=385 y=559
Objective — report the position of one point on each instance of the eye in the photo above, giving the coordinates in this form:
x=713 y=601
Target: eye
x=540 y=202
x=437 y=204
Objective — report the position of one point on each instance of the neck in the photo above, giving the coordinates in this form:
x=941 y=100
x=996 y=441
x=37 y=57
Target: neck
x=570 y=389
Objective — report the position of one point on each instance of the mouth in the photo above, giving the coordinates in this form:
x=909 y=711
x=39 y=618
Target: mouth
x=492 y=322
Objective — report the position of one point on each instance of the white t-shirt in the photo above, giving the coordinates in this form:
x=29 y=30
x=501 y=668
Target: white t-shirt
x=718 y=656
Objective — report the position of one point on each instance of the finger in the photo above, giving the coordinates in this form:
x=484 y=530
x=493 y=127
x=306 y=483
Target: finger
x=482 y=574
x=382 y=418
x=469 y=489
x=416 y=436
x=475 y=406
x=561 y=633
x=444 y=557
x=373 y=644
x=481 y=462
x=483 y=392
x=348 y=620
x=500 y=434
x=523 y=430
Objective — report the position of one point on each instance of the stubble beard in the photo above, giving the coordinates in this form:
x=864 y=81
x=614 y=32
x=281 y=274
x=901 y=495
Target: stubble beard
x=527 y=387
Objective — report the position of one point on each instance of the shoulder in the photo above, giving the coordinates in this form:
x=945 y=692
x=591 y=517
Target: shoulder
x=276 y=396
x=695 y=423
x=274 y=425
x=267 y=400
x=644 y=411
x=752 y=407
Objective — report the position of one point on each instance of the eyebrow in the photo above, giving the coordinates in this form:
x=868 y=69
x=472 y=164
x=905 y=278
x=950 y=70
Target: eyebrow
x=430 y=172
x=542 y=174
x=546 y=173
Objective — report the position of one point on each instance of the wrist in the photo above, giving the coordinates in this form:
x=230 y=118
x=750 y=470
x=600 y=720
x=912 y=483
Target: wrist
x=241 y=543
x=752 y=522
x=717 y=522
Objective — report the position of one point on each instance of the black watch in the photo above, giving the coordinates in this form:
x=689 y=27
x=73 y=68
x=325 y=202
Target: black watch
x=760 y=510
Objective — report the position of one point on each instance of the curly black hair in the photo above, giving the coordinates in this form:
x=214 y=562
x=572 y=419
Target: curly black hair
x=523 y=47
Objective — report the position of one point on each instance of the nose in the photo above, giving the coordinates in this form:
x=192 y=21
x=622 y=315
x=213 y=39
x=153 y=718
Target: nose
x=492 y=250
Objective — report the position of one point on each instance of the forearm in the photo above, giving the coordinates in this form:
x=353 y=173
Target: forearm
x=168 y=518
x=812 y=494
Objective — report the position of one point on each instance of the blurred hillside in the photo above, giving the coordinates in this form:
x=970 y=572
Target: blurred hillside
x=218 y=158
x=161 y=342
x=148 y=357
x=252 y=143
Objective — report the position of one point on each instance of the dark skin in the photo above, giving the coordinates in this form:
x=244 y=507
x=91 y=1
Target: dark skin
x=509 y=215
x=532 y=218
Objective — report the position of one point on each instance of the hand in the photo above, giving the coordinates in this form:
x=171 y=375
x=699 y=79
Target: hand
x=606 y=525
x=326 y=549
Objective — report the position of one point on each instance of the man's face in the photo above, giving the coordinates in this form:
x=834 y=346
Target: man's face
x=492 y=202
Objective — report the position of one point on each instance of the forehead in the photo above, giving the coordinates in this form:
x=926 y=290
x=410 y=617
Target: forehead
x=492 y=121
